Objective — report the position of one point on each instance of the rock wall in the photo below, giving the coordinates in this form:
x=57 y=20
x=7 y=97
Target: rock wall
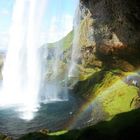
x=116 y=29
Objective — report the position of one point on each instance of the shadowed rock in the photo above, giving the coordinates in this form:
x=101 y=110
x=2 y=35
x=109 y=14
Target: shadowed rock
x=133 y=80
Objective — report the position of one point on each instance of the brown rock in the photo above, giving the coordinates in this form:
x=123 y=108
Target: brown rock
x=116 y=28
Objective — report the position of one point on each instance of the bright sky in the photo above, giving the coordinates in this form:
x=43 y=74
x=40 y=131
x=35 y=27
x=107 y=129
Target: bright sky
x=57 y=22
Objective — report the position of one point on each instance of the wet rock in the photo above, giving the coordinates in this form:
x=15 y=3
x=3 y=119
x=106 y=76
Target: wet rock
x=89 y=58
x=44 y=131
x=133 y=80
x=121 y=64
x=34 y=136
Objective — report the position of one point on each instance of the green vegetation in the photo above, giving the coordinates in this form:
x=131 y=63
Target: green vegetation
x=86 y=73
x=57 y=133
x=115 y=95
x=122 y=126
x=66 y=42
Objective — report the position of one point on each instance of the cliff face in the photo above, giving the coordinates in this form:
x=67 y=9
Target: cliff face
x=109 y=41
x=116 y=29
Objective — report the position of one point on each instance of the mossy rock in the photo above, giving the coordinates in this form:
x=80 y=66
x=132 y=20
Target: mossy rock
x=115 y=95
x=86 y=73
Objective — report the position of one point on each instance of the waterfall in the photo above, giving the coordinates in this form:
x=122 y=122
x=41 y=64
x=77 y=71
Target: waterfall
x=24 y=66
x=73 y=72
x=22 y=69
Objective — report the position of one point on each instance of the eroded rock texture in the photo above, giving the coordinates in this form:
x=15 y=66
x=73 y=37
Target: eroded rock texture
x=116 y=30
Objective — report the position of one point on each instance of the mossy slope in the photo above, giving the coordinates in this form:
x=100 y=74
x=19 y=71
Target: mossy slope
x=122 y=126
x=115 y=95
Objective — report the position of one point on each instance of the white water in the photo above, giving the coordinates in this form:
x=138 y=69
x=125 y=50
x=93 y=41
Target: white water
x=73 y=67
x=22 y=69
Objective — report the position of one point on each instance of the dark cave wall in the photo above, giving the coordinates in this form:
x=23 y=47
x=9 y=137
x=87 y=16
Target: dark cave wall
x=116 y=28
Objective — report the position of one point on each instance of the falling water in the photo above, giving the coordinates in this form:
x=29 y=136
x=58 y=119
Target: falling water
x=73 y=68
x=54 y=90
x=22 y=70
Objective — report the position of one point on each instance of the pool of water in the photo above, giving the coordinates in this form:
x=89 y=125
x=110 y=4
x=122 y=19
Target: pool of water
x=53 y=116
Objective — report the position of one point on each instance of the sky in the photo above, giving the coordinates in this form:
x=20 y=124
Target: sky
x=57 y=20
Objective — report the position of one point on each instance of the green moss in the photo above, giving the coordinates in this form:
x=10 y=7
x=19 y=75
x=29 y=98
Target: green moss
x=118 y=98
x=58 y=133
x=115 y=95
x=86 y=73
x=108 y=80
